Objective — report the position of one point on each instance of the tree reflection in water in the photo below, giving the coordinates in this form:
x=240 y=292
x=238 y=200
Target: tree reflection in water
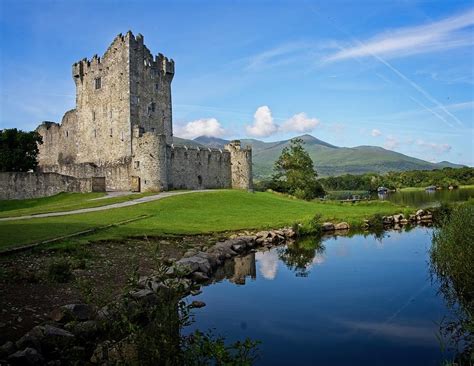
x=301 y=255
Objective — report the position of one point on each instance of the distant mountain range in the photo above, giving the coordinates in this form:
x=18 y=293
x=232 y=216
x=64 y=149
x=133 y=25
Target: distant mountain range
x=328 y=159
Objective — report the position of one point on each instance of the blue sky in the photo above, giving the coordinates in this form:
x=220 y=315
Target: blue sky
x=397 y=74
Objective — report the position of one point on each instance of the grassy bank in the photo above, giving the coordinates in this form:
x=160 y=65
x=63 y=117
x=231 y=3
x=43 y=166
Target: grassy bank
x=195 y=213
x=60 y=202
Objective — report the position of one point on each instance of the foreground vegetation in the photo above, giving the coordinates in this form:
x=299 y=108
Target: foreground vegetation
x=194 y=213
x=452 y=258
x=60 y=202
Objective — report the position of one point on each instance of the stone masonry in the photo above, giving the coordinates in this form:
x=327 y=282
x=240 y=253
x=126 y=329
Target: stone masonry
x=121 y=129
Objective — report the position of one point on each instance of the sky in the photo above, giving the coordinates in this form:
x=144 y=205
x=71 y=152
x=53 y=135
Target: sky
x=396 y=74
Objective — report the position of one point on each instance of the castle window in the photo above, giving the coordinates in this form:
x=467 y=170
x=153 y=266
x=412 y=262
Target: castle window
x=151 y=107
x=153 y=129
x=122 y=136
x=110 y=112
x=110 y=132
x=98 y=83
x=95 y=133
x=137 y=164
x=67 y=133
x=93 y=115
x=157 y=86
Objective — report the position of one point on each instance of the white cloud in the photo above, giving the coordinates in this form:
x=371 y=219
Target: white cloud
x=440 y=148
x=376 y=133
x=391 y=143
x=441 y=35
x=268 y=264
x=263 y=123
x=201 y=127
x=300 y=123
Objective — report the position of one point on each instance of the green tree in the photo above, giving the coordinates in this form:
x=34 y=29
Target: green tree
x=295 y=173
x=18 y=150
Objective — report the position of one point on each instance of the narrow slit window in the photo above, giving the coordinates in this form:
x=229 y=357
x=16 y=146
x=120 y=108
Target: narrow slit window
x=98 y=83
x=110 y=132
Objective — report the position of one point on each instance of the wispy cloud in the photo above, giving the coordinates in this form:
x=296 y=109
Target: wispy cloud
x=375 y=132
x=441 y=35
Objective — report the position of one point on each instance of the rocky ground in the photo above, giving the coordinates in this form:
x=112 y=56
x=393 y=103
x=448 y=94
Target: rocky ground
x=30 y=289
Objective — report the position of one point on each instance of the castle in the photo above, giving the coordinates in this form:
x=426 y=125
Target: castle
x=122 y=129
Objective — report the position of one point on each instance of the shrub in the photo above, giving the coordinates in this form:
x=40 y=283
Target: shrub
x=60 y=271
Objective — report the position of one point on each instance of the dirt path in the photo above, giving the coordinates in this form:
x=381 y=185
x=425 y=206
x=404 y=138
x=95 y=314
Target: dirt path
x=137 y=201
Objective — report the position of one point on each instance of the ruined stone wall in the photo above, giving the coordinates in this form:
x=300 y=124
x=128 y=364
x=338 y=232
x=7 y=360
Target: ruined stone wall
x=18 y=185
x=149 y=161
x=241 y=165
x=117 y=174
x=192 y=168
x=59 y=140
x=150 y=89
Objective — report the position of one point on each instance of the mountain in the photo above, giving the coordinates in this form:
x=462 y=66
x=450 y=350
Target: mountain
x=328 y=159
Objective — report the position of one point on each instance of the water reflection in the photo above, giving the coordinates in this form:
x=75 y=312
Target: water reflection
x=336 y=300
x=302 y=255
x=237 y=270
x=422 y=198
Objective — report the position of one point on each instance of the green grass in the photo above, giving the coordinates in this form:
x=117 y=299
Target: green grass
x=194 y=213
x=59 y=202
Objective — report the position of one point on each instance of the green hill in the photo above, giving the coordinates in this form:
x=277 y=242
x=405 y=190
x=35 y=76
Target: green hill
x=328 y=159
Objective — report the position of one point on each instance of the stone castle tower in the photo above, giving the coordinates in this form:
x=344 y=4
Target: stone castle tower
x=122 y=128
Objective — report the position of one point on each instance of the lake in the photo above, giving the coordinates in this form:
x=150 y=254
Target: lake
x=361 y=300
x=423 y=199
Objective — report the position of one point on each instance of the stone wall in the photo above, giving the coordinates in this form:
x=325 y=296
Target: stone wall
x=241 y=165
x=117 y=174
x=18 y=185
x=193 y=168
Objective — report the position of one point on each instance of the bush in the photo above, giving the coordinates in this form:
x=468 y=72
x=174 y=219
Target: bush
x=310 y=227
x=60 y=271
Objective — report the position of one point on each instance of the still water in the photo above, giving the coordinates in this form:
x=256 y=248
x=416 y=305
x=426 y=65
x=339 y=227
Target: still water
x=361 y=300
x=422 y=199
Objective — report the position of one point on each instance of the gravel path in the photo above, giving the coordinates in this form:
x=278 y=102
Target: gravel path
x=155 y=197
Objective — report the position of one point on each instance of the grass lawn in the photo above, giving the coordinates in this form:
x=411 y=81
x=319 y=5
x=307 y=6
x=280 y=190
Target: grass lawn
x=59 y=202
x=200 y=212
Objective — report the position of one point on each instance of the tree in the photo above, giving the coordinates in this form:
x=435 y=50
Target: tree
x=18 y=150
x=295 y=173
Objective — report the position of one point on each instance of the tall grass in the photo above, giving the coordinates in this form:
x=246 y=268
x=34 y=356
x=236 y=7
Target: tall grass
x=452 y=261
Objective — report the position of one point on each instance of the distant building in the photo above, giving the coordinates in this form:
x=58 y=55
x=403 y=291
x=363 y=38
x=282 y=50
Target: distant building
x=122 y=129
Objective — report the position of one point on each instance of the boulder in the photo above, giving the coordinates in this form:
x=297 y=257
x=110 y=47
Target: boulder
x=67 y=313
x=199 y=277
x=420 y=213
x=145 y=296
x=197 y=304
x=412 y=217
x=403 y=221
x=387 y=220
x=193 y=264
x=7 y=349
x=398 y=218
x=426 y=218
x=28 y=356
x=86 y=330
x=327 y=226
x=342 y=226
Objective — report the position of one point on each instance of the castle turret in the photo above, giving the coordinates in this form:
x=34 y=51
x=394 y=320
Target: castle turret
x=241 y=165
